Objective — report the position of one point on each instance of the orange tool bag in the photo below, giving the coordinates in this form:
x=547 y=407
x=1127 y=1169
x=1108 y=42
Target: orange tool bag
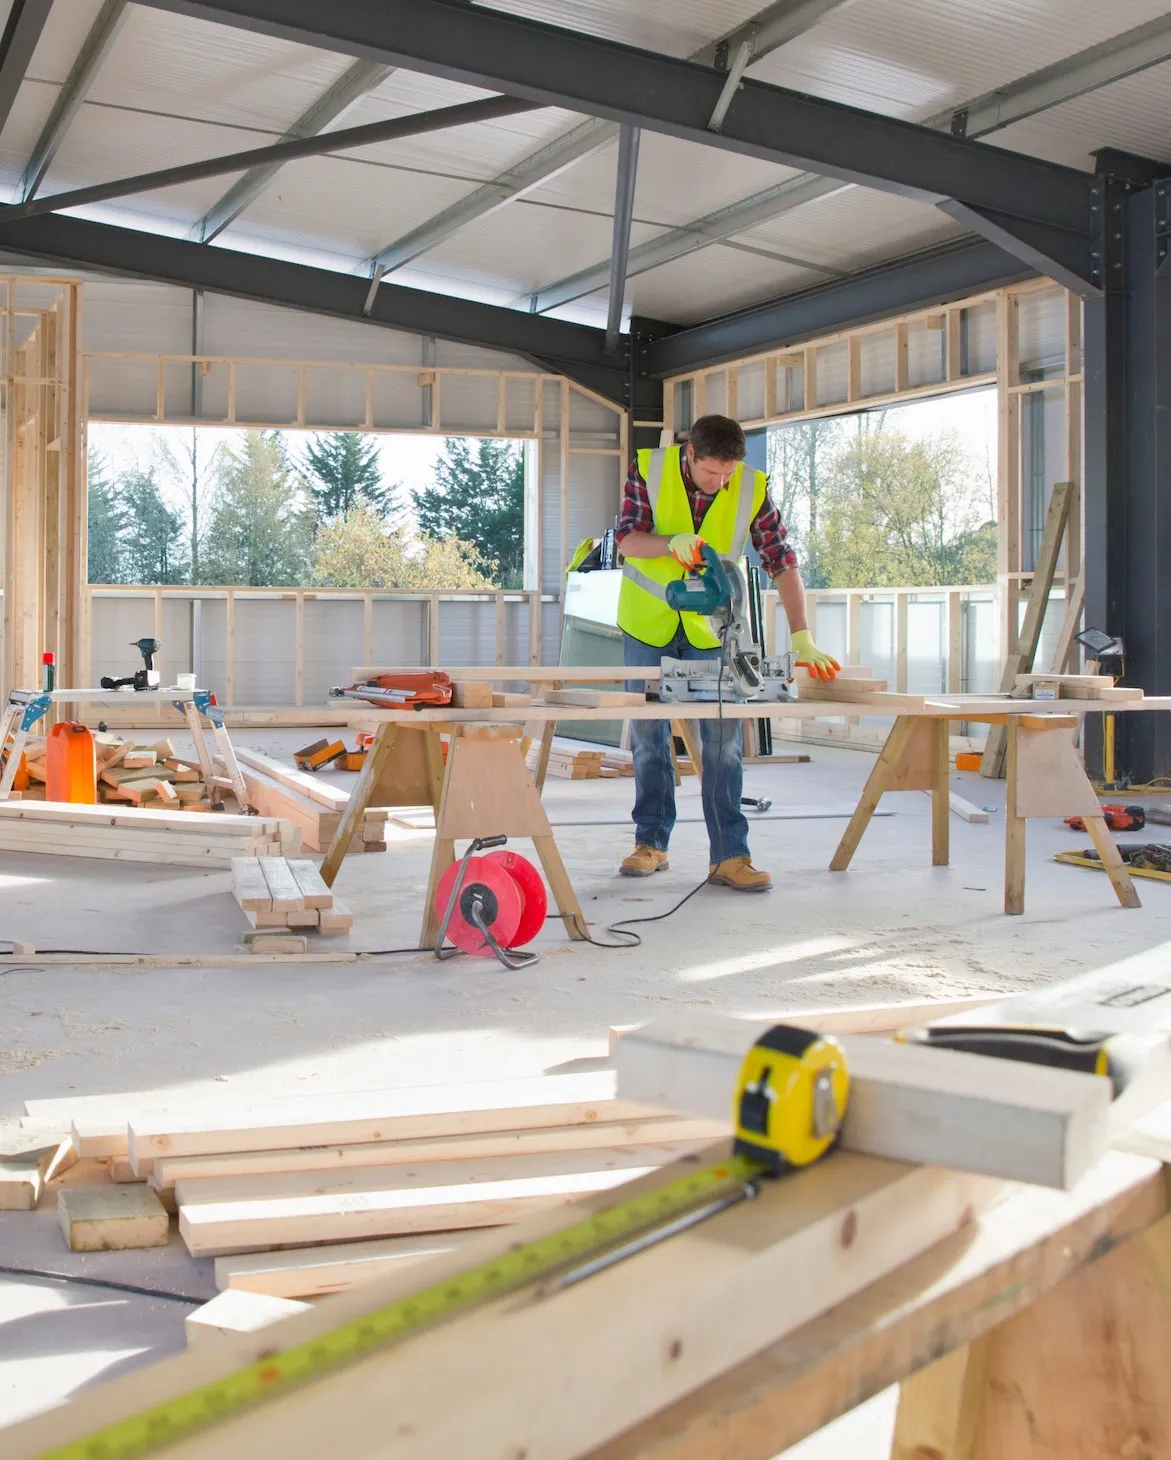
x=413 y=691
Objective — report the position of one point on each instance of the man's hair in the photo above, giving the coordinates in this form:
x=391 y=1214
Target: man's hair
x=717 y=438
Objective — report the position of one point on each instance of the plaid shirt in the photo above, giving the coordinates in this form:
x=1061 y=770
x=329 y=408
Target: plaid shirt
x=769 y=536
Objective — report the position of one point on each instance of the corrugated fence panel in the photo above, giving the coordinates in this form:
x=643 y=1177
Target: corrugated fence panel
x=212 y=667
x=335 y=398
x=750 y=392
x=333 y=641
x=833 y=371
x=878 y=363
x=399 y=632
x=1041 y=329
x=263 y=668
x=926 y=355
x=980 y=331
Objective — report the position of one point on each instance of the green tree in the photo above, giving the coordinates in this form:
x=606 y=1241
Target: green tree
x=800 y=457
x=107 y=523
x=478 y=497
x=902 y=512
x=360 y=551
x=259 y=531
x=342 y=472
x=152 y=547
x=192 y=471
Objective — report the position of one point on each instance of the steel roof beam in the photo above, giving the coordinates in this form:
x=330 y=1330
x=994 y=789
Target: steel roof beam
x=483 y=47
x=918 y=281
x=1147 y=45
x=22 y=31
x=574 y=349
x=94 y=51
x=276 y=155
x=362 y=77
x=1089 y=70
x=623 y=217
x=771 y=28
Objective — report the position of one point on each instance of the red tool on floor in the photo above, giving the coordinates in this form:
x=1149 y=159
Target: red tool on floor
x=490 y=906
x=1117 y=818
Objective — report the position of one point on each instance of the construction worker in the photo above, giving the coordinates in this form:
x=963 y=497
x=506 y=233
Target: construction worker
x=672 y=496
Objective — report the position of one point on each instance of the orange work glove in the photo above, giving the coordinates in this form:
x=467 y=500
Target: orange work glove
x=685 y=549
x=820 y=664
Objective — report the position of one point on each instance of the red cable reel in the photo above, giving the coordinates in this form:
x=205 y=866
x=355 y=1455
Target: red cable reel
x=490 y=904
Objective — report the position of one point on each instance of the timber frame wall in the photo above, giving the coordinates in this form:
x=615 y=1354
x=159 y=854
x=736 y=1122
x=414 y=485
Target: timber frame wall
x=43 y=476
x=1026 y=341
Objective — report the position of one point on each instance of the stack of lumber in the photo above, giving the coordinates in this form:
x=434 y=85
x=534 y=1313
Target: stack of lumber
x=278 y=893
x=1075 y=687
x=617 y=763
x=129 y=774
x=567 y=762
x=391 y=1175
x=313 y=805
x=853 y=682
x=132 y=834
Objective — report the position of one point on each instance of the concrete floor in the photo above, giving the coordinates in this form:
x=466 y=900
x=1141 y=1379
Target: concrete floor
x=891 y=929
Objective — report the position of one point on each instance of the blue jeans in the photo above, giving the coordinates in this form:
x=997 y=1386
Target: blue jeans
x=654 y=776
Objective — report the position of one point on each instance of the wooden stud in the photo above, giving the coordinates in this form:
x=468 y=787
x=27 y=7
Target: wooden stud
x=854 y=369
x=299 y=649
x=809 y=374
x=954 y=629
x=901 y=607
x=433 y=658
x=368 y=626
x=902 y=357
x=940 y=793
x=230 y=645
x=954 y=344
x=564 y=497
x=377 y=758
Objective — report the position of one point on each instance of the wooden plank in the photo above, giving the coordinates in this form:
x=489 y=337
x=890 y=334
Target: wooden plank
x=311 y=1272
x=236 y=1311
x=472 y=1174
x=333 y=798
x=523 y=674
x=789 y=1239
x=336 y=919
x=221 y=824
x=111 y=1218
x=1021 y=661
x=286 y=895
x=314 y=893
x=552 y=1140
x=249 y=886
x=212 y=1229
x=417 y=1111
x=939 y=1407
x=969 y=1112
x=594 y=698
x=998 y=1265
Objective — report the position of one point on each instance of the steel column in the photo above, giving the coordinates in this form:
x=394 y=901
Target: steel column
x=1127 y=472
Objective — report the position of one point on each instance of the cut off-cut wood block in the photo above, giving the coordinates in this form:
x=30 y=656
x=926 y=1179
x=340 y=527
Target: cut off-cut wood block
x=286 y=895
x=314 y=892
x=594 y=698
x=505 y=701
x=471 y=695
x=237 y=1311
x=22 y=1179
x=264 y=941
x=416 y=1111
x=312 y=1272
x=304 y=917
x=139 y=758
x=938 y=1107
x=339 y=918
x=111 y=1218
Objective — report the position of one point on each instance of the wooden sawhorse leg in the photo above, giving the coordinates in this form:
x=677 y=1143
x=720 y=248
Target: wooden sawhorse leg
x=487 y=791
x=914 y=758
x=1045 y=777
x=1079 y=1374
x=404 y=767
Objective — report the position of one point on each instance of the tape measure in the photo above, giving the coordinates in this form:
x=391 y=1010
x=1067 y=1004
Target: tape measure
x=788 y=1104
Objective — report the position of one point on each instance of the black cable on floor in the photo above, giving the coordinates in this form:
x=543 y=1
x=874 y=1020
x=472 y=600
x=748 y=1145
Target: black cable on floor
x=91 y=1282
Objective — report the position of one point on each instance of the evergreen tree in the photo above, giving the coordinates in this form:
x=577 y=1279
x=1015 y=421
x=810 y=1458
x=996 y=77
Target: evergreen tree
x=479 y=496
x=107 y=522
x=152 y=546
x=259 y=530
x=343 y=473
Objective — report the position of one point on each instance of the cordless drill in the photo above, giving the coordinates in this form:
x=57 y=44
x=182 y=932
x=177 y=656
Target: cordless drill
x=145 y=678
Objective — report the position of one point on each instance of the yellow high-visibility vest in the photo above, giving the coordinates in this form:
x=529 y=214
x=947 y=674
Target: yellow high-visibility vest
x=642 y=600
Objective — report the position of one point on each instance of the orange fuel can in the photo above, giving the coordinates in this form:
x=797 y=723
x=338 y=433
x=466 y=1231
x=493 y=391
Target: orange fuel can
x=71 y=772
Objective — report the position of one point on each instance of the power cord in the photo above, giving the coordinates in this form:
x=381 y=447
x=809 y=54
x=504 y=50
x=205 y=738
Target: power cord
x=92 y=1282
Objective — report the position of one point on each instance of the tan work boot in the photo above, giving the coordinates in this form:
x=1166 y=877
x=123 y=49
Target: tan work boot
x=739 y=873
x=643 y=861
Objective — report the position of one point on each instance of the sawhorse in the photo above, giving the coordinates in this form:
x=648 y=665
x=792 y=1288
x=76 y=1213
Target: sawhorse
x=484 y=790
x=1045 y=777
